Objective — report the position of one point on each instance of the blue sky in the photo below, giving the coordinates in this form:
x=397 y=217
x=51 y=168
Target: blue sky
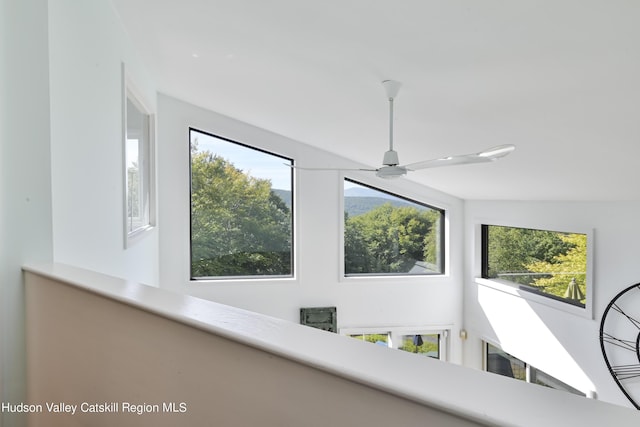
x=257 y=163
x=254 y=162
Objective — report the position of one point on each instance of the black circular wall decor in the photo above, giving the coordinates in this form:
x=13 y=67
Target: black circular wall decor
x=620 y=341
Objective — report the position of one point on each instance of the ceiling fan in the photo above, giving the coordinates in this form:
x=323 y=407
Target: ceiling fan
x=391 y=167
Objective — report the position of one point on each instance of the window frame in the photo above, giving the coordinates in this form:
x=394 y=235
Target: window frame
x=146 y=161
x=243 y=278
x=536 y=297
x=406 y=196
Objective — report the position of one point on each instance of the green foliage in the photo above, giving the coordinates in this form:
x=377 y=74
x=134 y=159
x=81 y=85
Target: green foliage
x=512 y=249
x=564 y=267
x=544 y=260
x=430 y=345
x=372 y=338
x=239 y=226
x=390 y=239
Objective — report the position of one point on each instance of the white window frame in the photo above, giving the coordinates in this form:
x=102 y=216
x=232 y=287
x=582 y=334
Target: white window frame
x=395 y=334
x=146 y=162
x=401 y=193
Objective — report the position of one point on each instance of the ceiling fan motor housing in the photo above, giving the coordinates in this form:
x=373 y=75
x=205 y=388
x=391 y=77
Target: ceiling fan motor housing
x=390 y=158
x=390 y=172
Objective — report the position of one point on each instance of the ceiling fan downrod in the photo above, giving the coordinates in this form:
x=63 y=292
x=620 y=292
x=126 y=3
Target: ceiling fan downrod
x=391 y=87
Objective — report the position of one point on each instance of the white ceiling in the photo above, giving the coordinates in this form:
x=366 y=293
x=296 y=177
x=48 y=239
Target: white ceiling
x=558 y=78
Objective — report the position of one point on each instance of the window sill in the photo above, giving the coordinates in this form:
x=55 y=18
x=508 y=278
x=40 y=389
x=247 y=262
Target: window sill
x=242 y=280
x=407 y=278
x=137 y=235
x=508 y=288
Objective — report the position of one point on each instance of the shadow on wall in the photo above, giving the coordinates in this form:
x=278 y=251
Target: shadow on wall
x=520 y=330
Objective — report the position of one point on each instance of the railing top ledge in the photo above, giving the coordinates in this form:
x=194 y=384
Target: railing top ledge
x=472 y=394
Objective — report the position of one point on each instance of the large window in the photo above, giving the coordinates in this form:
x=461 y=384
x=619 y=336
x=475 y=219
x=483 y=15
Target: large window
x=138 y=164
x=502 y=363
x=241 y=210
x=548 y=263
x=389 y=234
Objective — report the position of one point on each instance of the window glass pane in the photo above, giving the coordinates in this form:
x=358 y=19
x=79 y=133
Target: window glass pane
x=550 y=263
x=502 y=363
x=136 y=164
x=544 y=379
x=133 y=186
x=388 y=234
x=379 y=339
x=425 y=344
x=241 y=210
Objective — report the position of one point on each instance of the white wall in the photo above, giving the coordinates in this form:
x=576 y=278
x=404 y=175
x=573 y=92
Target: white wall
x=25 y=198
x=361 y=302
x=60 y=156
x=87 y=46
x=564 y=345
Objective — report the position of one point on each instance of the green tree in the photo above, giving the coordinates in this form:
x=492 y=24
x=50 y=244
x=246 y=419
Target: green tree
x=372 y=338
x=429 y=345
x=389 y=239
x=431 y=242
x=512 y=249
x=564 y=267
x=356 y=259
x=239 y=226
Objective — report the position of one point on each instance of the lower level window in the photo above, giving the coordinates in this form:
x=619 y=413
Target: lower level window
x=502 y=363
x=424 y=342
x=379 y=339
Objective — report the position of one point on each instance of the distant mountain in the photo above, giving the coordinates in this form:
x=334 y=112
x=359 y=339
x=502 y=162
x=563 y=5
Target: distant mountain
x=360 y=200
x=360 y=205
x=285 y=195
x=357 y=201
x=367 y=192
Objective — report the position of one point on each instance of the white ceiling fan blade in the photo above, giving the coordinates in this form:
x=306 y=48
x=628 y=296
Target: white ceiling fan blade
x=497 y=152
x=464 y=159
x=329 y=169
x=488 y=155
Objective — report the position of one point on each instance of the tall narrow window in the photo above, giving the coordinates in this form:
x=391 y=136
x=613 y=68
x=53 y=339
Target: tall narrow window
x=138 y=165
x=241 y=210
x=548 y=263
x=386 y=234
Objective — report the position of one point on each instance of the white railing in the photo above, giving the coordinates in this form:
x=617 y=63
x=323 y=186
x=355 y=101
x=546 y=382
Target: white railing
x=113 y=352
